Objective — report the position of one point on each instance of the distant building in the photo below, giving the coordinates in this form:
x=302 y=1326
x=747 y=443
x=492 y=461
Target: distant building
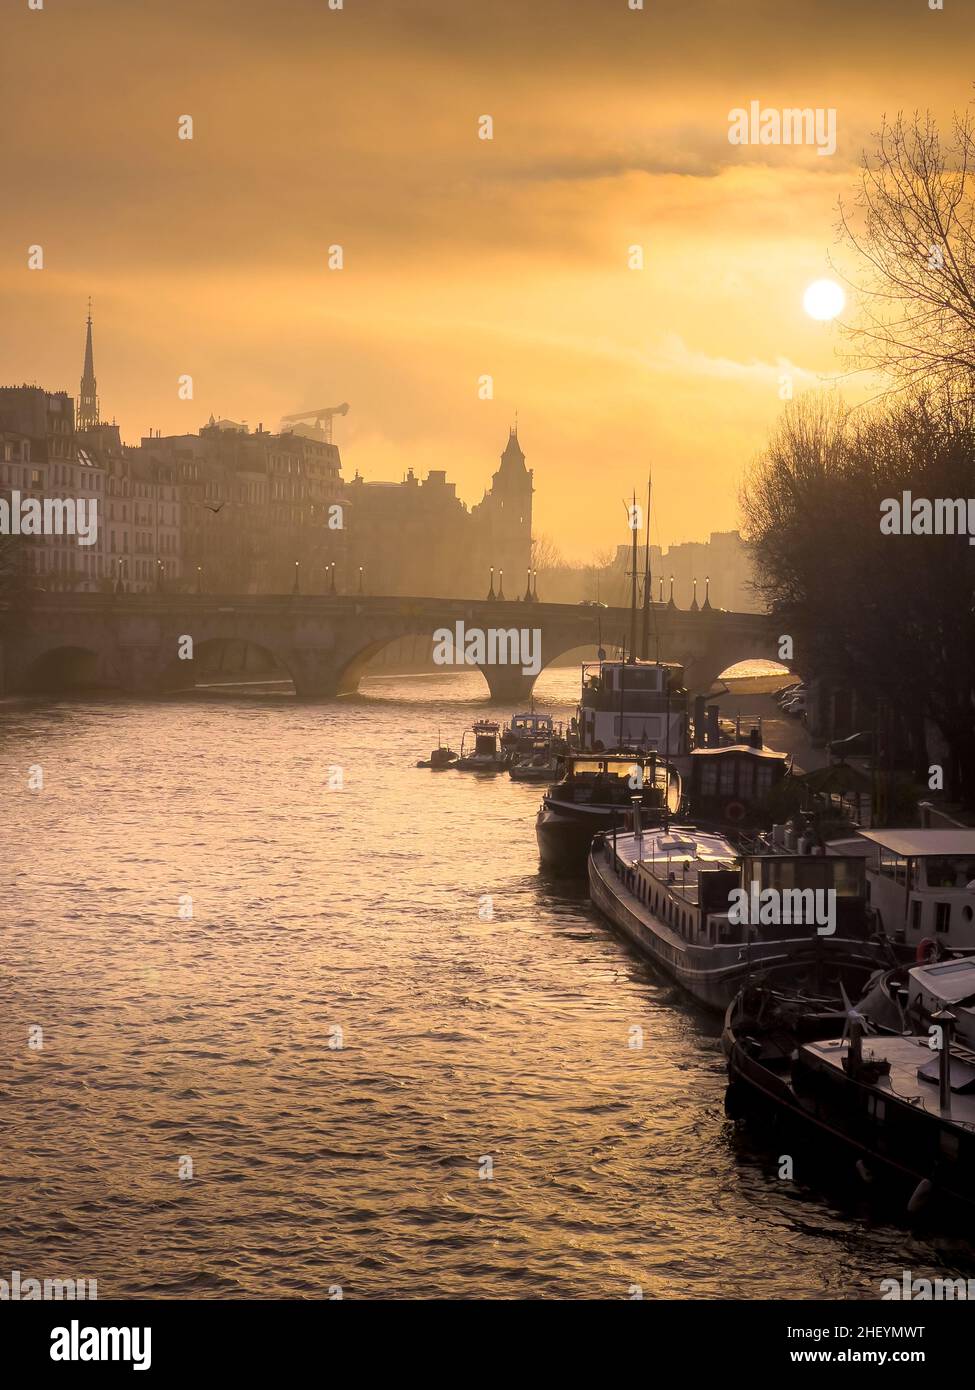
x=261 y=512
x=230 y=510
x=721 y=566
x=418 y=538
x=42 y=457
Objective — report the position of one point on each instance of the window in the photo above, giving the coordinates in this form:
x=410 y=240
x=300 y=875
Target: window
x=893 y=866
x=916 y=915
x=709 y=778
x=949 y=871
x=942 y=916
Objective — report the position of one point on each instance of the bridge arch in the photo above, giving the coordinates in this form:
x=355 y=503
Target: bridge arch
x=224 y=660
x=355 y=666
x=67 y=667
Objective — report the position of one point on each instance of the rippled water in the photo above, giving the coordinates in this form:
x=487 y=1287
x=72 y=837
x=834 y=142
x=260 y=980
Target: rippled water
x=464 y=1039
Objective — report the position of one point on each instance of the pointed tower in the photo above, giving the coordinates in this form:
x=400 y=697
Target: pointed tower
x=87 y=397
x=503 y=520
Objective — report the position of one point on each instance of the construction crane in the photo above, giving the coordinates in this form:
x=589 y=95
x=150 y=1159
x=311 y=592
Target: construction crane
x=322 y=417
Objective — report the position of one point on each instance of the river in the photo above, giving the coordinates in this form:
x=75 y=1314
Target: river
x=193 y=1122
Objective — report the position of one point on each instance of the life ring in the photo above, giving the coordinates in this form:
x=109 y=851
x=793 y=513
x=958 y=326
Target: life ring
x=735 y=810
x=926 y=949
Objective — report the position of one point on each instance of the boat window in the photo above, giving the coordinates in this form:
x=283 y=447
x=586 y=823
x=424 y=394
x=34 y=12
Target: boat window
x=942 y=916
x=950 y=871
x=894 y=866
x=727 y=778
x=916 y=915
x=709 y=778
x=746 y=777
x=779 y=873
x=847 y=876
x=763 y=779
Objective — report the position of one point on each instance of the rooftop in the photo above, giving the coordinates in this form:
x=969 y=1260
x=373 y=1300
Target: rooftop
x=913 y=843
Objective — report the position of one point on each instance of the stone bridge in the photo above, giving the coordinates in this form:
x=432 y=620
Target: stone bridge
x=133 y=641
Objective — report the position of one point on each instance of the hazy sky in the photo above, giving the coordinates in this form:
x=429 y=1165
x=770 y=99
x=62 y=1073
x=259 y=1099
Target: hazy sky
x=463 y=257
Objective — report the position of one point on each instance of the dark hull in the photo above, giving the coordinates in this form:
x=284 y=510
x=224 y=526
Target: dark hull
x=564 y=839
x=839 y=1136
x=713 y=975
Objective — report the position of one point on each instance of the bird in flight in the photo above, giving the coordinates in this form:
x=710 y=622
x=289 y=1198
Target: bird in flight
x=213 y=509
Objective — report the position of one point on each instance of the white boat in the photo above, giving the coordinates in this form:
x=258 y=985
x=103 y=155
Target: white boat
x=637 y=705
x=668 y=890
x=908 y=998
x=922 y=885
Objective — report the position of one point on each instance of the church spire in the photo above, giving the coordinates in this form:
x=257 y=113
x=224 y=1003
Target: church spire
x=87 y=398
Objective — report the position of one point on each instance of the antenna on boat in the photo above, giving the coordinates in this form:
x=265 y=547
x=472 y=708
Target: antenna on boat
x=667 y=755
x=620 y=743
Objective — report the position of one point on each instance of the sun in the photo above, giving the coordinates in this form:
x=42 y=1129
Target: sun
x=824 y=299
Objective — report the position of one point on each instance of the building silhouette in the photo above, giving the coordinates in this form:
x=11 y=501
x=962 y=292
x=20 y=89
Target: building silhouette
x=417 y=537
x=231 y=510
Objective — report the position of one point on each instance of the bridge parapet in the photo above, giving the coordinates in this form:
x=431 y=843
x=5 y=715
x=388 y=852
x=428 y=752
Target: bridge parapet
x=325 y=641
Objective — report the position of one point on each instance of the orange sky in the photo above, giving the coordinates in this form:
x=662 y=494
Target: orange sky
x=463 y=257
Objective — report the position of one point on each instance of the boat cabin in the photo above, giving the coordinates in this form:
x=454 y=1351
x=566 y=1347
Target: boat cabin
x=732 y=783
x=921 y=882
x=532 y=726
x=614 y=779
x=685 y=877
x=949 y=984
x=485 y=732
x=633 y=704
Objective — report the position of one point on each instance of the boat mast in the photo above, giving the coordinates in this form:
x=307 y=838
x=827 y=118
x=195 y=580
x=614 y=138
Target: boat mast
x=633 y=579
x=645 y=635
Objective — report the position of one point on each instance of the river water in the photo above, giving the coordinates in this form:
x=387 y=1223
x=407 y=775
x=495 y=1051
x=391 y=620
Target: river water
x=487 y=1128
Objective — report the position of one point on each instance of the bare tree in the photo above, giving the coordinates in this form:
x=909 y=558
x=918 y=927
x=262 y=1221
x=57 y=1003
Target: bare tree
x=890 y=615
x=913 y=229
x=546 y=554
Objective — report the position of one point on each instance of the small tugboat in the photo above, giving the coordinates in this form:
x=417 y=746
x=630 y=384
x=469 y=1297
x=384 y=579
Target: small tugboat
x=440 y=758
x=541 y=764
x=521 y=736
x=480 y=750
x=669 y=890
x=597 y=793
x=903 y=1113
